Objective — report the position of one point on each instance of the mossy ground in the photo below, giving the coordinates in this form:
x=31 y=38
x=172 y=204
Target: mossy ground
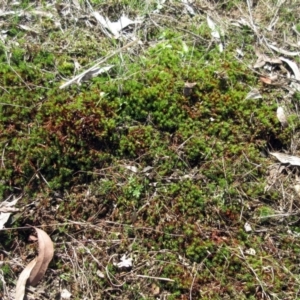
x=130 y=163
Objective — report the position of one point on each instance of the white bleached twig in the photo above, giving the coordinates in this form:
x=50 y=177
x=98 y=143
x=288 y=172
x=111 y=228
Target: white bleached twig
x=157 y=278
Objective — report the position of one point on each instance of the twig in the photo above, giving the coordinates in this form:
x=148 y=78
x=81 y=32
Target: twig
x=8 y=61
x=2 y=157
x=158 y=278
x=15 y=105
x=108 y=274
x=191 y=288
x=265 y=295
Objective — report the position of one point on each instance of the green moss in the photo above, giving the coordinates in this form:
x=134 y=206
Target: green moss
x=199 y=174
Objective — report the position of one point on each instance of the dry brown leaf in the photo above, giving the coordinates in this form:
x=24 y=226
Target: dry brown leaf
x=272 y=80
x=6 y=208
x=155 y=289
x=20 y=288
x=282 y=117
x=32 y=238
x=266 y=80
x=287 y=159
x=296 y=71
x=46 y=251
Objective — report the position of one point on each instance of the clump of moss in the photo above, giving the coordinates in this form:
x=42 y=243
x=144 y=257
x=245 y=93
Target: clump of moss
x=67 y=134
x=169 y=170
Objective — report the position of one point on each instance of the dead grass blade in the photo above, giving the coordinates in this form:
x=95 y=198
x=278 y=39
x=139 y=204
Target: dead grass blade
x=46 y=251
x=20 y=288
x=93 y=68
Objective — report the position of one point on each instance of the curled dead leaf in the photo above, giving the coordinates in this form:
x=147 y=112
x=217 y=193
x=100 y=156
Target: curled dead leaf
x=46 y=251
x=20 y=288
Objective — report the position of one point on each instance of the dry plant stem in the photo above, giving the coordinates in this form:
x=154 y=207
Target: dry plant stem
x=181 y=145
x=80 y=273
x=1 y=87
x=254 y=273
x=97 y=64
x=279 y=215
x=115 y=223
x=3 y=282
x=250 y=15
x=87 y=250
x=191 y=288
x=157 y=278
x=8 y=62
x=2 y=157
x=44 y=179
x=109 y=276
x=275 y=17
x=9 y=104
x=191 y=33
